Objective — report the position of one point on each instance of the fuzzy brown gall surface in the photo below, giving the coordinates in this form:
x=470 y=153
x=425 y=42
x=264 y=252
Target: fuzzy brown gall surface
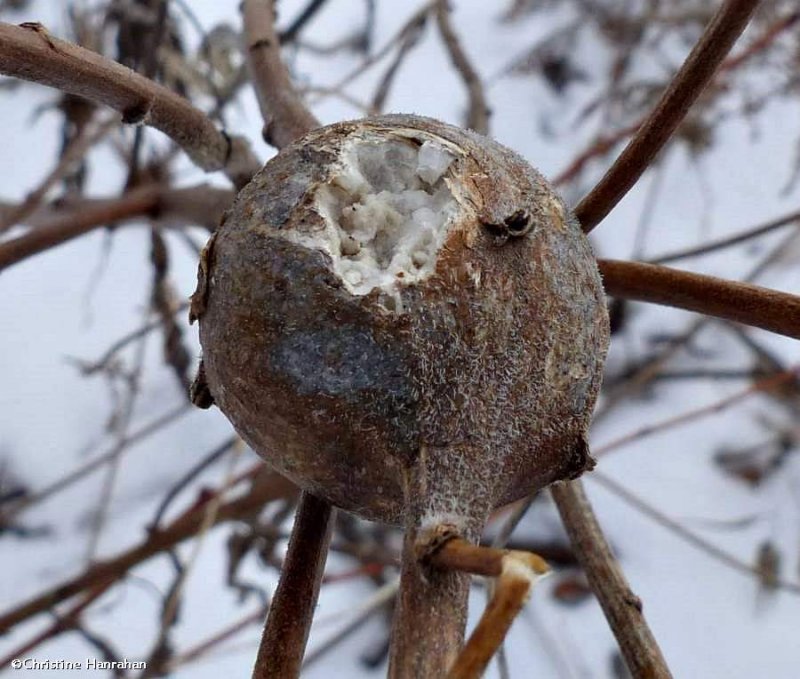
x=453 y=385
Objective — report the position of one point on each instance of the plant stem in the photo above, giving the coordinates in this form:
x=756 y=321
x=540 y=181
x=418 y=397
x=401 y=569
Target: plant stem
x=136 y=203
x=201 y=205
x=286 y=117
x=729 y=241
x=752 y=305
x=268 y=488
x=515 y=575
x=692 y=78
x=478 y=114
x=622 y=608
x=29 y=51
x=430 y=617
x=291 y=612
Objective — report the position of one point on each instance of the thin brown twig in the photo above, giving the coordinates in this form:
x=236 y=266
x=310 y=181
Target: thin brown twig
x=622 y=608
x=778 y=312
x=378 y=601
x=721 y=375
x=30 y=52
x=763 y=41
x=87 y=468
x=457 y=554
x=722 y=243
x=599 y=147
x=203 y=647
x=271 y=487
x=409 y=41
x=652 y=366
x=61 y=624
x=90 y=367
x=202 y=205
x=121 y=422
x=696 y=72
x=198 y=468
x=286 y=117
x=75 y=150
x=478 y=112
x=169 y=612
x=288 y=623
x=761 y=386
x=164 y=301
x=363 y=108
x=515 y=573
x=604 y=144
x=686 y=535
x=412 y=24
x=136 y=203
x=291 y=33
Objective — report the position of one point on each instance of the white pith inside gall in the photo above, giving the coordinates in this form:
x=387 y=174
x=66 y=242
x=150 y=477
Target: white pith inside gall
x=387 y=211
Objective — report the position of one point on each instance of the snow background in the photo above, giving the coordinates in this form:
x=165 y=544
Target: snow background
x=75 y=300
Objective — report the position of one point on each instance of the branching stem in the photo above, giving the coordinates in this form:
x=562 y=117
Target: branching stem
x=516 y=573
x=30 y=52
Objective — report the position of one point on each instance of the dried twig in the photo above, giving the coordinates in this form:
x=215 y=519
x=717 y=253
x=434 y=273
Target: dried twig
x=198 y=468
x=203 y=647
x=412 y=25
x=478 y=115
x=382 y=597
x=410 y=39
x=286 y=118
x=285 y=635
x=753 y=305
x=622 y=608
x=62 y=623
x=102 y=363
x=686 y=535
x=597 y=148
x=169 y=613
x=30 y=52
x=735 y=239
x=202 y=205
x=75 y=150
x=136 y=203
x=163 y=300
x=515 y=573
x=763 y=41
x=185 y=526
x=604 y=144
x=761 y=386
x=715 y=43
x=87 y=468
x=120 y=424
x=302 y=19
x=651 y=367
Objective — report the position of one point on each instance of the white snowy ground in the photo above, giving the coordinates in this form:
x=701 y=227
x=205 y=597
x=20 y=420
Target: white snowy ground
x=74 y=301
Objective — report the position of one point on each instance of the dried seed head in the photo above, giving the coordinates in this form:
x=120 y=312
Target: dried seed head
x=401 y=314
